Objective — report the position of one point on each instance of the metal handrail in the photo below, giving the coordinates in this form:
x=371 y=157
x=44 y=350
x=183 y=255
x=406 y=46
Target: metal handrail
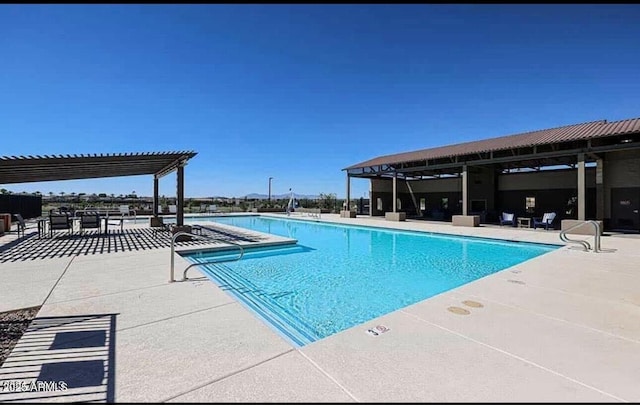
x=181 y=233
x=596 y=242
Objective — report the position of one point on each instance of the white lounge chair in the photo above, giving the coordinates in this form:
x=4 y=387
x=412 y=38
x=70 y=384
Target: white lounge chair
x=173 y=209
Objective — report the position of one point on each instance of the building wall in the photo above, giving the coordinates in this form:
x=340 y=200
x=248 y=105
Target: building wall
x=482 y=187
x=545 y=180
x=433 y=191
x=553 y=190
x=419 y=186
x=620 y=170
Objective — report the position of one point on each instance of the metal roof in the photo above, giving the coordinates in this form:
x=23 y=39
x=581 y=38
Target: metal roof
x=25 y=169
x=584 y=131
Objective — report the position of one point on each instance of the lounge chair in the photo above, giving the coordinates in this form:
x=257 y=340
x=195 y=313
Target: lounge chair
x=173 y=209
x=545 y=221
x=212 y=208
x=58 y=222
x=90 y=221
x=124 y=210
x=507 y=219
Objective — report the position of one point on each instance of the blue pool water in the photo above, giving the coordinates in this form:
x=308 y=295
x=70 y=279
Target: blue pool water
x=339 y=276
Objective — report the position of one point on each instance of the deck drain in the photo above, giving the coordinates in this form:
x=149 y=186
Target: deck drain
x=516 y=281
x=458 y=310
x=474 y=304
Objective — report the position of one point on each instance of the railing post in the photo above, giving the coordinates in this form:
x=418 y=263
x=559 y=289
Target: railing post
x=173 y=242
x=171 y=280
x=596 y=242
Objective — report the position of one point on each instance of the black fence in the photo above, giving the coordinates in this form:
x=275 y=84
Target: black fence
x=29 y=206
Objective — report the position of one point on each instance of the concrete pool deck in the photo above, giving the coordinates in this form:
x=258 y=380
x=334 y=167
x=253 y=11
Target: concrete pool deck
x=562 y=327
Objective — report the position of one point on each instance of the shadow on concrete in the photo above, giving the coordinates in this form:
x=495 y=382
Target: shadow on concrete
x=95 y=242
x=69 y=358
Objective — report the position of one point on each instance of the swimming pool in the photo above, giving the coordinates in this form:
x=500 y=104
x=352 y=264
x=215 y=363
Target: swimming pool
x=339 y=276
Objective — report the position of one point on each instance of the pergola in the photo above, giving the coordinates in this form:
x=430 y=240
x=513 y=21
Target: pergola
x=26 y=169
x=572 y=145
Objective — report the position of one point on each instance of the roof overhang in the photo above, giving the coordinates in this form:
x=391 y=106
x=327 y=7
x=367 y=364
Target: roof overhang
x=559 y=146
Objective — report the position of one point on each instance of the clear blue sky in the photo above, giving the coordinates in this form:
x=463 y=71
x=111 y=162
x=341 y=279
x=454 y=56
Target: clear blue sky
x=298 y=92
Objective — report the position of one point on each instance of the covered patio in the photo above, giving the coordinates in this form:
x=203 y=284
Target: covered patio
x=580 y=171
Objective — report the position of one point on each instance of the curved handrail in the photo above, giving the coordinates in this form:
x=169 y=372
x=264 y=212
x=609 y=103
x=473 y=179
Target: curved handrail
x=182 y=233
x=596 y=242
x=184 y=273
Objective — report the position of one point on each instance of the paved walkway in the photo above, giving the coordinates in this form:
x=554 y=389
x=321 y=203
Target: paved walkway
x=564 y=326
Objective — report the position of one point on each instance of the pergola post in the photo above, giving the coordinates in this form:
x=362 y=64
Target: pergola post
x=180 y=195
x=581 y=188
x=348 y=199
x=395 y=191
x=155 y=196
x=465 y=189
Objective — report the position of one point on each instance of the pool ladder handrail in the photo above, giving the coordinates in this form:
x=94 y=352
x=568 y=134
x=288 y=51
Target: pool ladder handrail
x=203 y=237
x=586 y=245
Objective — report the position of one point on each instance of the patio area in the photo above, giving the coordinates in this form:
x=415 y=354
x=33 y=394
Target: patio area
x=563 y=327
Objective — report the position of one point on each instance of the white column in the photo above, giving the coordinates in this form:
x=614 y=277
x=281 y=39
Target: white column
x=370 y=197
x=465 y=190
x=600 y=189
x=582 y=191
x=395 y=190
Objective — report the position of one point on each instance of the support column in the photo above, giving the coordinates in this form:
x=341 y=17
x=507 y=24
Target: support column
x=180 y=195
x=581 y=188
x=600 y=190
x=348 y=200
x=370 y=197
x=395 y=191
x=156 y=200
x=465 y=189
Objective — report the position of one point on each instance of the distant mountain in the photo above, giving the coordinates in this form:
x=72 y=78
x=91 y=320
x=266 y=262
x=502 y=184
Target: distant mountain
x=256 y=196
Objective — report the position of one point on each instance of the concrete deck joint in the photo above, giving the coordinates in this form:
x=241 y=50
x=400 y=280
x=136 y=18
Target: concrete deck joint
x=215 y=380
x=517 y=357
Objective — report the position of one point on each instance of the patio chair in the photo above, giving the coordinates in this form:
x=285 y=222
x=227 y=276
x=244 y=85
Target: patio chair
x=157 y=225
x=59 y=222
x=22 y=225
x=507 y=219
x=545 y=221
x=90 y=221
x=212 y=208
x=173 y=209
